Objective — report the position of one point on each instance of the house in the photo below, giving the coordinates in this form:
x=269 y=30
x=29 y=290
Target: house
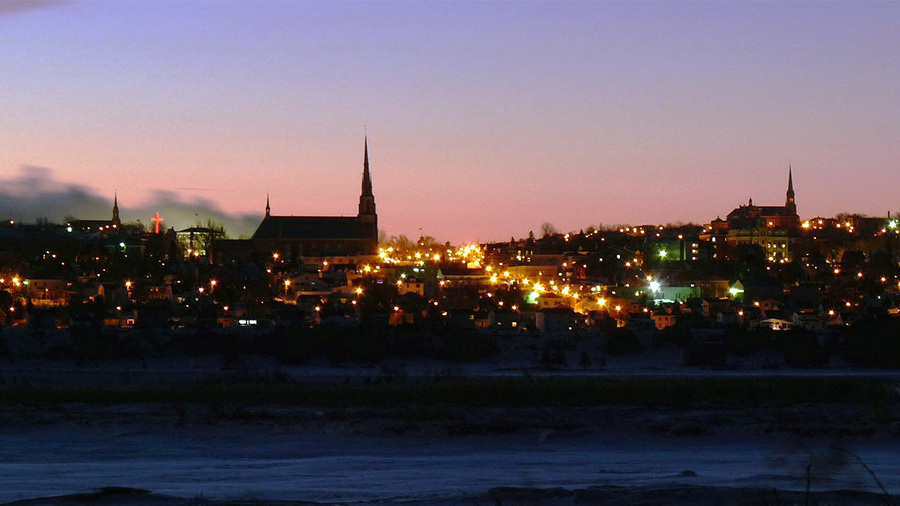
x=729 y=318
x=776 y=324
x=503 y=319
x=123 y=320
x=47 y=292
x=550 y=300
x=555 y=319
x=411 y=285
x=713 y=306
x=806 y=318
x=93 y=291
x=664 y=320
x=767 y=305
x=462 y=318
x=463 y=275
x=758 y=289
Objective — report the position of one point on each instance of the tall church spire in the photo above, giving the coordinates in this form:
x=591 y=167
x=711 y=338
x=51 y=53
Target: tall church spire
x=115 y=219
x=789 y=204
x=366 y=197
x=367 y=178
x=268 y=208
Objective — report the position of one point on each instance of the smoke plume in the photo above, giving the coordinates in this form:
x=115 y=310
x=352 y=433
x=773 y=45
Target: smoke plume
x=35 y=194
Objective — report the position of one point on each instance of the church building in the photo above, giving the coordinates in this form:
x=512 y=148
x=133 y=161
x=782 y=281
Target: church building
x=752 y=216
x=317 y=236
x=102 y=226
x=770 y=227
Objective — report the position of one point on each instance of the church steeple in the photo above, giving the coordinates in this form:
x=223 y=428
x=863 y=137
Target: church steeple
x=366 y=197
x=268 y=208
x=115 y=219
x=789 y=204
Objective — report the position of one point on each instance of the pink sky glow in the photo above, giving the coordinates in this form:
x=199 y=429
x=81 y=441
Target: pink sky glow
x=484 y=119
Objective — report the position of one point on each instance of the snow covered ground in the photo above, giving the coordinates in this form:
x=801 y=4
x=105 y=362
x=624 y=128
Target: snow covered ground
x=239 y=463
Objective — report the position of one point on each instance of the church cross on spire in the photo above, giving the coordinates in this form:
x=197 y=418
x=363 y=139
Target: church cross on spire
x=156 y=221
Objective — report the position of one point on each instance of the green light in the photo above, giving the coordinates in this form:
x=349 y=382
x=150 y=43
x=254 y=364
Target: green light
x=662 y=254
x=892 y=224
x=533 y=297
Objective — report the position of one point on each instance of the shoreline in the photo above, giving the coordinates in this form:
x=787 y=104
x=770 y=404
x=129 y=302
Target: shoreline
x=840 y=407
x=669 y=494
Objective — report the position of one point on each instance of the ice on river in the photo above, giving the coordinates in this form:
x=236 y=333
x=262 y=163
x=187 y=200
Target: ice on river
x=266 y=463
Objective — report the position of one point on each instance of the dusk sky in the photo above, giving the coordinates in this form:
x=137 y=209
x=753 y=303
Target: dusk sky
x=484 y=119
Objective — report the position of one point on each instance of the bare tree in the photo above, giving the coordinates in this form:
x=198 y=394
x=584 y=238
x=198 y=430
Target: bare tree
x=548 y=229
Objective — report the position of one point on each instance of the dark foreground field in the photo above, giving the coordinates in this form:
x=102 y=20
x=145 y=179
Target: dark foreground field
x=680 y=495
x=839 y=412
x=805 y=406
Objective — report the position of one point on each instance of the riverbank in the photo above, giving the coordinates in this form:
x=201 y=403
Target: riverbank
x=547 y=440
x=670 y=495
x=441 y=406
x=536 y=441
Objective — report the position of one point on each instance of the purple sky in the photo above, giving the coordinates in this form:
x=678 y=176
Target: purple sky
x=484 y=119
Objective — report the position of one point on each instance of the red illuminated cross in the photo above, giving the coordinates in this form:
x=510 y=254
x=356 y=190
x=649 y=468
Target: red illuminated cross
x=156 y=220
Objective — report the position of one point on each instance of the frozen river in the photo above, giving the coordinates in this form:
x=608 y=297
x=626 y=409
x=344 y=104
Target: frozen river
x=267 y=463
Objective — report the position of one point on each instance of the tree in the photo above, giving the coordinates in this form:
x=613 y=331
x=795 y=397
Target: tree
x=585 y=361
x=548 y=229
x=427 y=241
x=400 y=243
x=212 y=230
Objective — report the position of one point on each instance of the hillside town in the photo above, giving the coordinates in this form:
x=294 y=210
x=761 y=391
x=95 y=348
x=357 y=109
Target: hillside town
x=761 y=268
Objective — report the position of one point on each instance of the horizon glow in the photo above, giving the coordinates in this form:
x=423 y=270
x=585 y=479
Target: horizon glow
x=484 y=119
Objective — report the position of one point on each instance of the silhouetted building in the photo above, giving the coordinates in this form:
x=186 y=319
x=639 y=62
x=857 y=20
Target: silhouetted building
x=104 y=226
x=753 y=216
x=769 y=227
x=299 y=236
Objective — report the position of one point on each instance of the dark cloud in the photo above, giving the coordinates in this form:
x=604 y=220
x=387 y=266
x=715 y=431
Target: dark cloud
x=8 y=7
x=35 y=194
